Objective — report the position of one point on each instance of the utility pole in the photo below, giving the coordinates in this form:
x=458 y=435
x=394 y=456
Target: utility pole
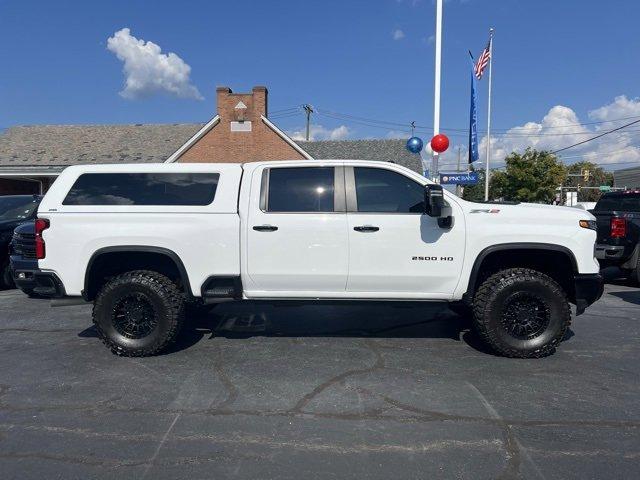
x=309 y=110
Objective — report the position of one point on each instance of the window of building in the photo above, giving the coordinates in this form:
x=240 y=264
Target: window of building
x=384 y=191
x=306 y=189
x=143 y=189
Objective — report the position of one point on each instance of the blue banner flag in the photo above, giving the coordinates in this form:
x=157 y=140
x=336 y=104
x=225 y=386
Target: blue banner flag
x=473 y=118
x=470 y=178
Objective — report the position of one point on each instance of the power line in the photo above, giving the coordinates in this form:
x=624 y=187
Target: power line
x=597 y=136
x=635 y=147
x=282 y=110
x=407 y=125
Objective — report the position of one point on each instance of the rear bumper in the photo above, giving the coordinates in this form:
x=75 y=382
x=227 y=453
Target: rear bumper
x=48 y=284
x=609 y=252
x=588 y=288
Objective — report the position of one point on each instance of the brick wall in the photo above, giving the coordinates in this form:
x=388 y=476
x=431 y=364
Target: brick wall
x=221 y=144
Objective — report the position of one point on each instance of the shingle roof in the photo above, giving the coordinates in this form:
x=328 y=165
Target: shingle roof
x=26 y=147
x=382 y=150
x=48 y=145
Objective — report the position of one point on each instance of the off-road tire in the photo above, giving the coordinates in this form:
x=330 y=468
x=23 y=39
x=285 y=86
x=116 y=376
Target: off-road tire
x=499 y=294
x=6 y=277
x=155 y=293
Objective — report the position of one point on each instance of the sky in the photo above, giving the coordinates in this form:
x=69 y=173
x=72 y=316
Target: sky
x=563 y=71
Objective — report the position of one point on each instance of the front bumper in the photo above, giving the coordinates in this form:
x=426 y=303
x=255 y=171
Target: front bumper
x=588 y=288
x=23 y=271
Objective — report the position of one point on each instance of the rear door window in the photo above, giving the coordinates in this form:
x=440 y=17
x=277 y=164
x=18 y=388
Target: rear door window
x=193 y=189
x=304 y=189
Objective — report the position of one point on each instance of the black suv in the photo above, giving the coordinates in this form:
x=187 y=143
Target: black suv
x=618 y=221
x=14 y=210
x=22 y=252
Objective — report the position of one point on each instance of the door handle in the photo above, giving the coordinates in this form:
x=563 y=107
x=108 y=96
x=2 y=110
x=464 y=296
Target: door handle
x=265 y=228
x=366 y=228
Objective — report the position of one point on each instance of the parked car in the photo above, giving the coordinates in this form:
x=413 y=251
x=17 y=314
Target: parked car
x=585 y=205
x=23 y=258
x=618 y=220
x=14 y=210
x=137 y=240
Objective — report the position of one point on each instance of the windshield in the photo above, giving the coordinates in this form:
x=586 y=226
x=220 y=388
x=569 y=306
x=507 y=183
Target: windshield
x=623 y=202
x=17 y=208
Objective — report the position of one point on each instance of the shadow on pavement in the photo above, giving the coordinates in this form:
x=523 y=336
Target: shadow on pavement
x=323 y=319
x=628 y=296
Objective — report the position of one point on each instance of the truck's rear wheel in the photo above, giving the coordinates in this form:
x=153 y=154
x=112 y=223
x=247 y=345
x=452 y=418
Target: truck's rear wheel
x=521 y=313
x=138 y=313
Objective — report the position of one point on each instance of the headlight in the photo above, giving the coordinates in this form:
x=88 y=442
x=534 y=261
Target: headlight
x=590 y=224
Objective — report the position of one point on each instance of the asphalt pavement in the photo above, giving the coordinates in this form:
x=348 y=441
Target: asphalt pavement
x=331 y=390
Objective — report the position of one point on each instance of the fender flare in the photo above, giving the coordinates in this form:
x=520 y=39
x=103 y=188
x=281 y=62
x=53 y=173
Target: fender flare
x=137 y=249
x=514 y=246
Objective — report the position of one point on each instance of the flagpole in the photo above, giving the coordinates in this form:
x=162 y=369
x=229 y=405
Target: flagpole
x=487 y=173
x=436 y=96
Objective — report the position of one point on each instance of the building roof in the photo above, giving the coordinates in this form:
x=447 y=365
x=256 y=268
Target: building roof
x=382 y=150
x=63 y=145
x=46 y=147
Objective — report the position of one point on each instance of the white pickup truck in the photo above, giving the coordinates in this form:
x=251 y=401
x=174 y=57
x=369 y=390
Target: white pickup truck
x=140 y=241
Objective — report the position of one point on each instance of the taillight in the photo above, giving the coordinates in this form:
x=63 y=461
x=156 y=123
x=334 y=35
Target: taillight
x=41 y=225
x=618 y=227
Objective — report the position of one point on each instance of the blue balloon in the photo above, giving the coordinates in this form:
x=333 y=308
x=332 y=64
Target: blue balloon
x=414 y=145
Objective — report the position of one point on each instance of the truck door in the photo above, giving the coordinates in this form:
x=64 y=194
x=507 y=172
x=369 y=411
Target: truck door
x=395 y=248
x=297 y=232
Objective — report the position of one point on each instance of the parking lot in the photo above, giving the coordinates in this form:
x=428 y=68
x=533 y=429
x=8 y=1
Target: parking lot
x=338 y=390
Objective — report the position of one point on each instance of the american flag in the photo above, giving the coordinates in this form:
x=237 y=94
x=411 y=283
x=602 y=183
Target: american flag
x=483 y=61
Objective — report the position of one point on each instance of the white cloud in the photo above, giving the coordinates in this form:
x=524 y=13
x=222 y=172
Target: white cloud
x=560 y=128
x=398 y=34
x=318 y=132
x=398 y=134
x=149 y=71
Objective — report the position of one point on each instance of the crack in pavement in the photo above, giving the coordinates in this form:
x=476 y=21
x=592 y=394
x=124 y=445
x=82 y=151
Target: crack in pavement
x=515 y=450
x=378 y=365
x=226 y=381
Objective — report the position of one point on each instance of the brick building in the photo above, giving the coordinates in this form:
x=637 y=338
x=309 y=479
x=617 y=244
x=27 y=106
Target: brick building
x=31 y=157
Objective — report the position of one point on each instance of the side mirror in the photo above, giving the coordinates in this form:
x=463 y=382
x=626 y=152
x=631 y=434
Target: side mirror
x=433 y=200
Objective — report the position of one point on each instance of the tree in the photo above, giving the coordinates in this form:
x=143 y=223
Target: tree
x=475 y=193
x=597 y=178
x=532 y=176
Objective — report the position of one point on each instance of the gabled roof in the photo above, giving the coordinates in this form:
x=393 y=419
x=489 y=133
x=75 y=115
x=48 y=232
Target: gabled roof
x=381 y=150
x=52 y=147
x=63 y=145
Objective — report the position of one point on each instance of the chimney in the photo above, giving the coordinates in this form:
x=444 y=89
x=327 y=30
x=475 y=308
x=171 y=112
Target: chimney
x=260 y=100
x=241 y=107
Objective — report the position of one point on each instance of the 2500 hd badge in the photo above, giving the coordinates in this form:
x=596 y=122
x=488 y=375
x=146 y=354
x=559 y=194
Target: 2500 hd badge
x=434 y=259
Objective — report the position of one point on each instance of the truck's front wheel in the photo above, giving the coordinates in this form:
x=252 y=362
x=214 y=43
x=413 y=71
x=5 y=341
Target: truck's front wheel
x=521 y=313
x=138 y=313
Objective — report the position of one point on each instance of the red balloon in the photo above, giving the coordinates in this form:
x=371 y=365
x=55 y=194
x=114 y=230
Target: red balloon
x=439 y=143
